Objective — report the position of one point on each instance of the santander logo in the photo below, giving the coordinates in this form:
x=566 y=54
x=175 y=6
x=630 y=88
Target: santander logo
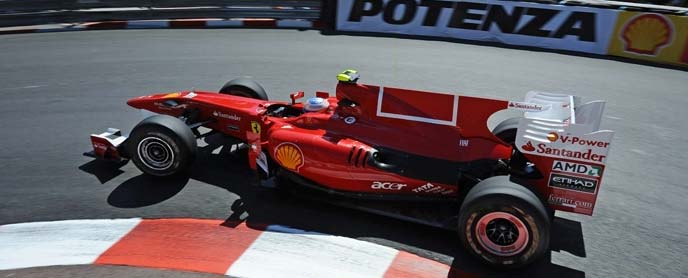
x=567 y=146
x=528 y=147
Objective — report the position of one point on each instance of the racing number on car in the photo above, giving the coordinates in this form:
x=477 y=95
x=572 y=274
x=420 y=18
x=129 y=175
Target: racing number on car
x=255 y=127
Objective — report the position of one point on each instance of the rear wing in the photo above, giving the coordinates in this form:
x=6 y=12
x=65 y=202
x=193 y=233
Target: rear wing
x=562 y=138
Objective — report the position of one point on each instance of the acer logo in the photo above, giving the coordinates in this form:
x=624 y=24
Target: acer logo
x=387 y=185
x=527 y=21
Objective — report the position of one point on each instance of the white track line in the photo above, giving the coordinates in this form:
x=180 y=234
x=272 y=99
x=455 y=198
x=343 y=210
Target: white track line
x=59 y=243
x=286 y=252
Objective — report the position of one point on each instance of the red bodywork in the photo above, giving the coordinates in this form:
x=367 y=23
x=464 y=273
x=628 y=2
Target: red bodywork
x=332 y=147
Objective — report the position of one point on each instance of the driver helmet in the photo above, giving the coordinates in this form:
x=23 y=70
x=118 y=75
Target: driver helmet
x=316 y=104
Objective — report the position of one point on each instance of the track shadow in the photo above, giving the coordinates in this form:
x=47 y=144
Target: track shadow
x=223 y=163
x=104 y=171
x=143 y=190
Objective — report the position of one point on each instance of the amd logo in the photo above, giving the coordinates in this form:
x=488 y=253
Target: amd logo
x=577 y=168
x=528 y=21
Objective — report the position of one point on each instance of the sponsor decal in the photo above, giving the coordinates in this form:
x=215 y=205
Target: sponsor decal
x=588 y=154
x=289 y=155
x=527 y=107
x=575 y=140
x=172 y=95
x=255 y=127
x=226 y=116
x=528 y=147
x=577 y=168
x=531 y=21
x=190 y=95
x=387 y=185
x=646 y=34
x=552 y=136
x=434 y=189
x=580 y=29
x=563 y=201
x=572 y=183
x=653 y=37
x=350 y=120
x=463 y=142
x=423 y=188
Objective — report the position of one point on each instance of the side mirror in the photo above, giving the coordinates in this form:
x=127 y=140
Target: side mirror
x=295 y=96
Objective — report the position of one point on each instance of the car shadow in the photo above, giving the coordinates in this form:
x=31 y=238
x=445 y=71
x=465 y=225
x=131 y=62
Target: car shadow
x=143 y=190
x=223 y=163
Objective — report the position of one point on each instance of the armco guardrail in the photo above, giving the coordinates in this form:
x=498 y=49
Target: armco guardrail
x=33 y=12
x=642 y=35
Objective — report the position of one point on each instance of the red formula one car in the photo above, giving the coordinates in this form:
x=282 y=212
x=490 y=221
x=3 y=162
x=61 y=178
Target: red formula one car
x=384 y=145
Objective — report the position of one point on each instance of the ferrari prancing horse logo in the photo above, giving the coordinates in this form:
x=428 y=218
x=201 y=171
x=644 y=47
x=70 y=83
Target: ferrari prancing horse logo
x=255 y=127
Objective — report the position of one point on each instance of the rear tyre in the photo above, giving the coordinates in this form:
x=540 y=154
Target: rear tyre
x=506 y=130
x=162 y=146
x=244 y=87
x=504 y=224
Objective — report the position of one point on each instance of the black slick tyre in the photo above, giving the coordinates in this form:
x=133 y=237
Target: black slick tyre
x=162 y=146
x=244 y=87
x=506 y=130
x=504 y=224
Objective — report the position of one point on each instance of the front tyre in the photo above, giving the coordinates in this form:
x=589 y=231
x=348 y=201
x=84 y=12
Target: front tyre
x=504 y=224
x=162 y=146
x=244 y=87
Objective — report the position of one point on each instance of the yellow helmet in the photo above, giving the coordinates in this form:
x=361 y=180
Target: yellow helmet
x=348 y=76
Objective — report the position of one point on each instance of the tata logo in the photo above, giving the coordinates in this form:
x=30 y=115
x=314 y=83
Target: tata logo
x=387 y=185
x=577 y=168
x=573 y=183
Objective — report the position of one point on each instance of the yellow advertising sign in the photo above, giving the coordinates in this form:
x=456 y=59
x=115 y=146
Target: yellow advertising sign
x=652 y=37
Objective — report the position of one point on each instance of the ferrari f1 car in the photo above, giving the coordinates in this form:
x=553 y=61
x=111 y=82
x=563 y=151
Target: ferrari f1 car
x=380 y=144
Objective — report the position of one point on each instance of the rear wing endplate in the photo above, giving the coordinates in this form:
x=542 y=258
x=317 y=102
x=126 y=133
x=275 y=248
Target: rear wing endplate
x=566 y=144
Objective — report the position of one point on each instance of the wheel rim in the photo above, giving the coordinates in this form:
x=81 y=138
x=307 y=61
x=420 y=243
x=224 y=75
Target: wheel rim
x=502 y=233
x=155 y=153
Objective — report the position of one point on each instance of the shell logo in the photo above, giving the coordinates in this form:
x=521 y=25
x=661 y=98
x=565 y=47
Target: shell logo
x=552 y=136
x=646 y=34
x=172 y=95
x=289 y=156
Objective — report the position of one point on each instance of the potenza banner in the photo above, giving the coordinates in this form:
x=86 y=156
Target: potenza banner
x=530 y=24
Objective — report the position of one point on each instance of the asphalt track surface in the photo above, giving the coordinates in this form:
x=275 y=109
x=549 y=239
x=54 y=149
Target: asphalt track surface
x=59 y=87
